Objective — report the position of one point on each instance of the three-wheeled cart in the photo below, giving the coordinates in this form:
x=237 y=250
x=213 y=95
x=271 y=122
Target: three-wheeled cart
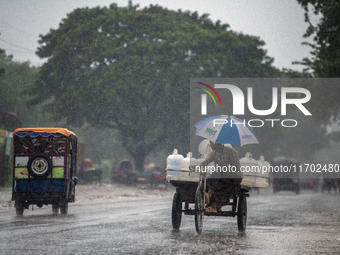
x=192 y=191
x=44 y=168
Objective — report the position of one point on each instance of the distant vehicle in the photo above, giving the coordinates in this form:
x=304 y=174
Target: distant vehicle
x=124 y=173
x=329 y=184
x=153 y=176
x=88 y=174
x=159 y=177
x=85 y=170
x=286 y=180
x=8 y=123
x=309 y=184
x=145 y=177
x=44 y=168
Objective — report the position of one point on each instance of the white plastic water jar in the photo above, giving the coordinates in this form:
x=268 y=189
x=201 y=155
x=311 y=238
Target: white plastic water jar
x=262 y=176
x=264 y=167
x=174 y=163
x=250 y=167
x=187 y=162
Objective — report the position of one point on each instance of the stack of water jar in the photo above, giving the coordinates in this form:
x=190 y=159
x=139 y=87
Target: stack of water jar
x=255 y=172
x=178 y=167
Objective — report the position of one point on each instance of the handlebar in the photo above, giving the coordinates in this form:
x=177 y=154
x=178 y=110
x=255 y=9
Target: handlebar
x=192 y=168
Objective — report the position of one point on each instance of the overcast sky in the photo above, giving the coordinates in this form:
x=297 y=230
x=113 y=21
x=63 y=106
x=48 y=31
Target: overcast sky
x=279 y=23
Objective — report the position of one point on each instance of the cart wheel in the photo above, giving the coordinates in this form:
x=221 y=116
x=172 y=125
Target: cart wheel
x=199 y=209
x=19 y=209
x=176 y=211
x=55 y=208
x=297 y=190
x=64 y=208
x=242 y=214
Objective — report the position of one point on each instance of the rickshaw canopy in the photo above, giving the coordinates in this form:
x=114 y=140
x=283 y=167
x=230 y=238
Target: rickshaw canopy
x=33 y=132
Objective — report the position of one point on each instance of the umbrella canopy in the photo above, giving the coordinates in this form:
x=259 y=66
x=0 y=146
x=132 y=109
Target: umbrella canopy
x=226 y=129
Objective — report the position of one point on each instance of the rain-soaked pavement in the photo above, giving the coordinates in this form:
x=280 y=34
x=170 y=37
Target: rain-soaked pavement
x=281 y=223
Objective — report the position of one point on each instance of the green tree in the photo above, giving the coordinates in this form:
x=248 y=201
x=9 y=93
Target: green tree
x=325 y=62
x=129 y=69
x=14 y=82
x=2 y=69
x=326 y=37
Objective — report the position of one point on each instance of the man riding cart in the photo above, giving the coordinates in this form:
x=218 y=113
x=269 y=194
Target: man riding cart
x=223 y=157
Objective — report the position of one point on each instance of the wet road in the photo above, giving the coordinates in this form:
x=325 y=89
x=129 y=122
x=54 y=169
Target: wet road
x=282 y=223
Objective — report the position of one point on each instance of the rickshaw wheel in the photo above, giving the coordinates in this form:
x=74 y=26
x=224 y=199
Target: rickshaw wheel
x=64 y=208
x=55 y=208
x=199 y=209
x=19 y=207
x=176 y=211
x=19 y=210
x=242 y=214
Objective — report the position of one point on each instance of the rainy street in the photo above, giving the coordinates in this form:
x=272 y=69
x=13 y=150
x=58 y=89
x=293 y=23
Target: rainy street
x=281 y=223
x=115 y=115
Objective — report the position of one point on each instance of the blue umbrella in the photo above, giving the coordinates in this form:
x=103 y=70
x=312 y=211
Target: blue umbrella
x=226 y=129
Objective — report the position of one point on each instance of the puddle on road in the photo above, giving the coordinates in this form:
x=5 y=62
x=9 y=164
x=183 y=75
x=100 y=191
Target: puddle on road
x=269 y=240
x=263 y=228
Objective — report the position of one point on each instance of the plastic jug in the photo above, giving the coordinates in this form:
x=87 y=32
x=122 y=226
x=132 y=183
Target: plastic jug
x=174 y=163
x=249 y=167
x=187 y=162
x=262 y=177
x=264 y=167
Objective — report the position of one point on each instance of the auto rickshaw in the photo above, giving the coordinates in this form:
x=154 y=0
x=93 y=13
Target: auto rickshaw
x=44 y=168
x=289 y=180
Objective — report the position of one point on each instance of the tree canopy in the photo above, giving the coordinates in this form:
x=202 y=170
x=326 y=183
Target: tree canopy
x=326 y=37
x=325 y=62
x=2 y=69
x=129 y=69
x=16 y=77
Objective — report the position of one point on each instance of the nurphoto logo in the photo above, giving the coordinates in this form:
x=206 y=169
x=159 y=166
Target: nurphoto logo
x=238 y=100
x=280 y=99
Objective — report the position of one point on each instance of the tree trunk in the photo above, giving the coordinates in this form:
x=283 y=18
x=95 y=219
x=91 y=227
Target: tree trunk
x=139 y=161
